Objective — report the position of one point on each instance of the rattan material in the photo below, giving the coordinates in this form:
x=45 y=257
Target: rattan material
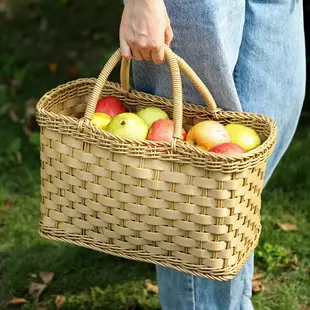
x=173 y=205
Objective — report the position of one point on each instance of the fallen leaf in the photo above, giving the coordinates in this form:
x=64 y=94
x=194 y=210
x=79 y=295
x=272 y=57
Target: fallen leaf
x=295 y=260
x=27 y=132
x=257 y=286
x=52 y=67
x=5 y=107
x=283 y=279
x=13 y=116
x=36 y=289
x=17 y=301
x=293 y=264
x=6 y=206
x=150 y=287
x=19 y=158
x=258 y=276
x=59 y=301
x=47 y=277
x=287 y=226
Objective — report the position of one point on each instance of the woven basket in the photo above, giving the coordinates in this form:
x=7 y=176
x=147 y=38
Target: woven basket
x=169 y=204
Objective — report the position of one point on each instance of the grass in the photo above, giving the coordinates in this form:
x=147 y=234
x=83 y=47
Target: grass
x=47 y=43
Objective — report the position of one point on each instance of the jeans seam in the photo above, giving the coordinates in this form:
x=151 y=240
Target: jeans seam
x=193 y=292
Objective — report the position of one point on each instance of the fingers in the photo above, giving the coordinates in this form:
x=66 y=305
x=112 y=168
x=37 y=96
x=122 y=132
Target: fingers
x=125 y=50
x=168 y=35
x=146 y=53
x=144 y=49
x=158 y=54
x=141 y=49
x=136 y=52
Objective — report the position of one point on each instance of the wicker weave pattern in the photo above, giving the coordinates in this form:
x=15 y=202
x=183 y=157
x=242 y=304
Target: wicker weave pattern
x=189 y=210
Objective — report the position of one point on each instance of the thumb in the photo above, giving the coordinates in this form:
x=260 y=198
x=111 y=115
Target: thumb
x=168 y=35
x=125 y=50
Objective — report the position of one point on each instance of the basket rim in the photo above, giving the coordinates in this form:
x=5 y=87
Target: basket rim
x=266 y=146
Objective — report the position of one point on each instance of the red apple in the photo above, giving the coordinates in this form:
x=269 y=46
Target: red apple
x=110 y=105
x=207 y=134
x=228 y=148
x=162 y=130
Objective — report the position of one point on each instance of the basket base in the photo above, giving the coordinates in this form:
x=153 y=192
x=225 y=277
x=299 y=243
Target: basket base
x=173 y=263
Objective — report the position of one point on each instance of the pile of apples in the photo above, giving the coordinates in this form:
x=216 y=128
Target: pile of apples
x=153 y=124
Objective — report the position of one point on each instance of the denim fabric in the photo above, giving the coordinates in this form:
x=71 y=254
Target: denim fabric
x=251 y=55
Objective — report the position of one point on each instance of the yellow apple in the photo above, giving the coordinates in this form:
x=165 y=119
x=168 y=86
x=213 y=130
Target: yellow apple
x=101 y=120
x=207 y=134
x=128 y=125
x=244 y=136
x=152 y=114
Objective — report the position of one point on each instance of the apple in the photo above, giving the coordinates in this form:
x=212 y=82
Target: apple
x=207 y=134
x=110 y=105
x=227 y=148
x=100 y=120
x=152 y=114
x=244 y=136
x=128 y=125
x=162 y=130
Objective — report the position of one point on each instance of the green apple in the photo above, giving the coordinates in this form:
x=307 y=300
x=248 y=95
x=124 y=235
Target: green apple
x=152 y=114
x=244 y=136
x=128 y=125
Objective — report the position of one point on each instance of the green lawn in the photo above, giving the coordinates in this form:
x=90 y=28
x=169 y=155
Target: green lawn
x=75 y=40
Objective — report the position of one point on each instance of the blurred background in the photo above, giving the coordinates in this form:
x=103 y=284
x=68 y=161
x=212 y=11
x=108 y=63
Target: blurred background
x=44 y=44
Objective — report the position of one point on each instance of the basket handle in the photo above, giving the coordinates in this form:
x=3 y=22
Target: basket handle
x=176 y=87
x=189 y=73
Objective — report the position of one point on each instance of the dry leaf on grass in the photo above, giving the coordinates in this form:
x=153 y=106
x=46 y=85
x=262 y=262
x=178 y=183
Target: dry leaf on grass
x=36 y=289
x=47 y=277
x=287 y=226
x=19 y=158
x=257 y=283
x=7 y=206
x=257 y=286
x=59 y=301
x=17 y=301
x=13 y=116
x=53 y=67
x=151 y=287
x=295 y=260
x=258 y=276
x=283 y=279
x=293 y=264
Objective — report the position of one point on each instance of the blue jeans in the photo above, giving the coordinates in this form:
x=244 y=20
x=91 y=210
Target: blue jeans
x=251 y=55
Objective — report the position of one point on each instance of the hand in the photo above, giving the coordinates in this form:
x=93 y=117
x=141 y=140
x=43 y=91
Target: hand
x=144 y=30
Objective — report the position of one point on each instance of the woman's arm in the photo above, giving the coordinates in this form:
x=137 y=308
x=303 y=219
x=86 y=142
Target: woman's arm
x=145 y=28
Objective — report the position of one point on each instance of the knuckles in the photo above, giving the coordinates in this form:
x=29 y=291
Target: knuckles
x=143 y=45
